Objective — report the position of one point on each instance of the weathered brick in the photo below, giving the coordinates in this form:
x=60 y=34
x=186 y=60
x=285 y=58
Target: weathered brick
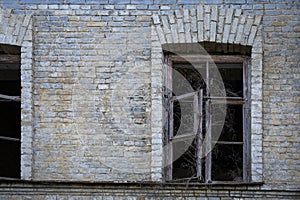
x=142 y=1
x=164 y=1
x=119 y=1
x=188 y=2
x=76 y=2
x=235 y=1
x=96 y=2
x=76 y=113
x=213 y=1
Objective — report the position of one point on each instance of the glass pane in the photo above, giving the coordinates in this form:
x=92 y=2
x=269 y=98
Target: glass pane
x=176 y=117
x=232 y=75
x=10 y=159
x=183 y=115
x=187 y=77
x=10 y=119
x=185 y=165
x=233 y=126
x=227 y=163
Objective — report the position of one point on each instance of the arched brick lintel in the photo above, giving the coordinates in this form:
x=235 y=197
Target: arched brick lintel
x=206 y=24
x=17 y=30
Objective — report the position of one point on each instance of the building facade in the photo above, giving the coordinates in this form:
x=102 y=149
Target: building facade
x=115 y=99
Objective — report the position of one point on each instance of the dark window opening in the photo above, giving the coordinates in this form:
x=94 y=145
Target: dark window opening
x=190 y=119
x=227 y=162
x=184 y=166
x=10 y=111
x=232 y=75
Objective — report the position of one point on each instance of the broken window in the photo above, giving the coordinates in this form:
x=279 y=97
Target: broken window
x=10 y=111
x=193 y=108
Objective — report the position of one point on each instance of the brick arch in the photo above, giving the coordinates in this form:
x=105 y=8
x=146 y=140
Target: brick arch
x=206 y=24
x=17 y=30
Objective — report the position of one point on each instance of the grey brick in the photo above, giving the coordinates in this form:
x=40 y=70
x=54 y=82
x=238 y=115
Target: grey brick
x=119 y=1
x=96 y=2
x=30 y=2
x=213 y=1
x=141 y=2
x=188 y=2
x=142 y=7
x=53 y=1
x=76 y=1
x=258 y=6
x=153 y=7
x=235 y=1
x=164 y=7
x=164 y=2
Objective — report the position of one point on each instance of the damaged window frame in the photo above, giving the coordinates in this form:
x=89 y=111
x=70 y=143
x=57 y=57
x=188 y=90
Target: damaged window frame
x=202 y=103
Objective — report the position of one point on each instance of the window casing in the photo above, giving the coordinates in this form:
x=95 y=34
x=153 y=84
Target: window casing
x=193 y=153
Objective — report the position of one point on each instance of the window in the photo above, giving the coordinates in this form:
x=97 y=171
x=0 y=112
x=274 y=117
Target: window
x=10 y=111
x=207 y=130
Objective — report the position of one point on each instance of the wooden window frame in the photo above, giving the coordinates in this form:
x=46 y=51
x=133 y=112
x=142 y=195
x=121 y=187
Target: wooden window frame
x=244 y=101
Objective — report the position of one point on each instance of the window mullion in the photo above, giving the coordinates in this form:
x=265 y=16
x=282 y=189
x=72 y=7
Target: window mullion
x=208 y=141
x=207 y=80
x=169 y=142
x=199 y=135
x=208 y=128
x=169 y=118
x=245 y=175
x=246 y=127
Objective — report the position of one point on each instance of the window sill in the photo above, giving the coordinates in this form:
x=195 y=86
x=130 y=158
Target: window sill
x=217 y=183
x=127 y=183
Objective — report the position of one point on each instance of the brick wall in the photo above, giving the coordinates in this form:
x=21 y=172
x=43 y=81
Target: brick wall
x=90 y=84
x=97 y=116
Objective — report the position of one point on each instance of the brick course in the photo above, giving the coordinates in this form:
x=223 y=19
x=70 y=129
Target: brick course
x=137 y=191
